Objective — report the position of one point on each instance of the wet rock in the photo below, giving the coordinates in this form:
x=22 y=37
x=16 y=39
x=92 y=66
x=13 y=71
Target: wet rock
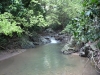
x=49 y=30
x=89 y=47
x=13 y=45
x=47 y=37
x=59 y=37
x=36 y=43
x=70 y=51
x=71 y=46
x=34 y=37
x=26 y=44
x=84 y=51
x=44 y=40
x=62 y=37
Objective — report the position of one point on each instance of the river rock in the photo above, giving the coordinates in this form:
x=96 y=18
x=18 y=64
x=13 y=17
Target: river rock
x=34 y=37
x=62 y=37
x=71 y=46
x=26 y=44
x=49 y=30
x=44 y=40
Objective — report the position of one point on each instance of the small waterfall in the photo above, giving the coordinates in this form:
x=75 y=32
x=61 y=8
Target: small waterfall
x=52 y=39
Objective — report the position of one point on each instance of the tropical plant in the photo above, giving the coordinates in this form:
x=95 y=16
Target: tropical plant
x=86 y=27
x=59 y=12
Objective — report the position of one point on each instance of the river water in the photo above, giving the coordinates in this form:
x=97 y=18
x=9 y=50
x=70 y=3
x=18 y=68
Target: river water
x=45 y=60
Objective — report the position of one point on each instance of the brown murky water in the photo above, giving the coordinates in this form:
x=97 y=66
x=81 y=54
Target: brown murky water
x=45 y=60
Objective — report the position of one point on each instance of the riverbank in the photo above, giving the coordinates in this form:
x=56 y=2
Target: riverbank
x=9 y=53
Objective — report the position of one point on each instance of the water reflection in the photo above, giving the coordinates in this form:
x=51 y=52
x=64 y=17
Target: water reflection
x=47 y=62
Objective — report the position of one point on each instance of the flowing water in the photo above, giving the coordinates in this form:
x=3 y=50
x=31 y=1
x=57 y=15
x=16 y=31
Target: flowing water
x=52 y=39
x=45 y=60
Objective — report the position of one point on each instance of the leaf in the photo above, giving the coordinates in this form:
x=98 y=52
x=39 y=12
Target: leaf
x=84 y=3
x=88 y=13
x=93 y=1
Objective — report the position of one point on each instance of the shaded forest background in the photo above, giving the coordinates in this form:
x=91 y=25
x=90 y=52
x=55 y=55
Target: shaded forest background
x=21 y=19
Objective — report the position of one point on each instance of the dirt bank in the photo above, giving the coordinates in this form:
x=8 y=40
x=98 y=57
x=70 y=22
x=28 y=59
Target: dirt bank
x=9 y=53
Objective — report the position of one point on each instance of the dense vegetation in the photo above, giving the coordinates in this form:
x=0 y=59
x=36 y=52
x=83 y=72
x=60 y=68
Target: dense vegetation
x=23 y=17
x=19 y=17
x=86 y=27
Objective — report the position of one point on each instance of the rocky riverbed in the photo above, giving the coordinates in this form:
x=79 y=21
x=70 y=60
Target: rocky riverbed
x=31 y=40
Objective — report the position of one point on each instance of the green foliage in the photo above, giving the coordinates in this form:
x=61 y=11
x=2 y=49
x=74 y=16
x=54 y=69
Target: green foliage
x=8 y=25
x=59 y=12
x=74 y=8
x=86 y=27
x=18 y=16
x=22 y=16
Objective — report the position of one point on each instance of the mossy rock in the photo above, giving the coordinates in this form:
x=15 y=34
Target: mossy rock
x=26 y=44
x=72 y=46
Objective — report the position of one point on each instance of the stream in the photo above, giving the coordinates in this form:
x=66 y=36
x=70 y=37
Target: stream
x=46 y=60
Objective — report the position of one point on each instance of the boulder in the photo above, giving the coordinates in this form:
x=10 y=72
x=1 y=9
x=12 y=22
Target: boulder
x=61 y=37
x=26 y=44
x=71 y=46
x=44 y=40
x=49 y=30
